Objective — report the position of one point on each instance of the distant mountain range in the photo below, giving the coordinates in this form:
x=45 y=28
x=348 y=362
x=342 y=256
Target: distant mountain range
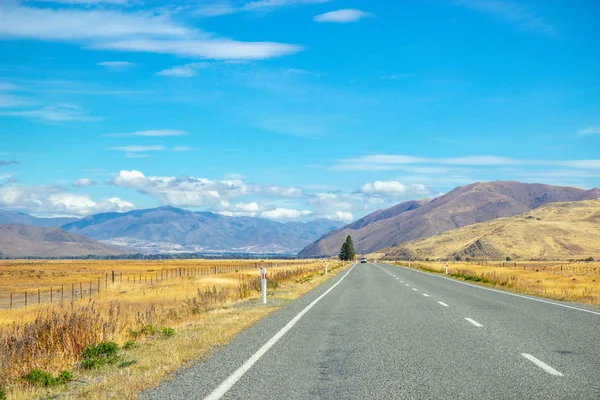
x=475 y=203
x=36 y=241
x=169 y=229
x=553 y=231
x=19 y=218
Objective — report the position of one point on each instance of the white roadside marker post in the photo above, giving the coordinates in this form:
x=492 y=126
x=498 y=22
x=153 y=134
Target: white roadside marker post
x=263 y=284
x=409 y=264
x=446 y=267
x=325 y=267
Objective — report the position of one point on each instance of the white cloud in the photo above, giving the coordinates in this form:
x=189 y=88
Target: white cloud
x=55 y=201
x=389 y=188
x=342 y=16
x=341 y=216
x=184 y=71
x=218 y=49
x=117 y=65
x=285 y=214
x=137 y=149
x=150 y=133
x=393 y=162
x=56 y=113
x=77 y=25
x=85 y=182
x=140 y=32
x=224 y=7
x=510 y=11
x=271 y=4
x=187 y=191
x=592 y=130
x=86 y=2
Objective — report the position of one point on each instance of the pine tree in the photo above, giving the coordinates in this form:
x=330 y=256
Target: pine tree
x=344 y=252
x=350 y=248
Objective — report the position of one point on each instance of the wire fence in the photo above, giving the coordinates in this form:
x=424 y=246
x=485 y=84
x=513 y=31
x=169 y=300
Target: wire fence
x=90 y=287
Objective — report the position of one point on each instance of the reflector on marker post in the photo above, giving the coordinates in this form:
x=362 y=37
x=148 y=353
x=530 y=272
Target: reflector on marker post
x=263 y=284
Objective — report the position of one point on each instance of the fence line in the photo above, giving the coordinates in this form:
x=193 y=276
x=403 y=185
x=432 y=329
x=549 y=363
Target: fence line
x=87 y=289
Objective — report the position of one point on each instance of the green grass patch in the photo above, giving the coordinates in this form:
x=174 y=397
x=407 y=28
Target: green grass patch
x=131 y=344
x=168 y=332
x=96 y=356
x=38 y=377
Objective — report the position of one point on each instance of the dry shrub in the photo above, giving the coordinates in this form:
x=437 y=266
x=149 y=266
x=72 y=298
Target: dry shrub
x=55 y=339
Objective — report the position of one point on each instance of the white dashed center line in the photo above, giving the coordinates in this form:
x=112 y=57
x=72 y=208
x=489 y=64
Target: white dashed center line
x=542 y=365
x=477 y=324
x=406 y=284
x=415 y=289
x=426 y=295
x=442 y=303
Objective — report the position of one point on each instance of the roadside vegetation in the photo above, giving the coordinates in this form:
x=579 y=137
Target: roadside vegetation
x=130 y=337
x=567 y=281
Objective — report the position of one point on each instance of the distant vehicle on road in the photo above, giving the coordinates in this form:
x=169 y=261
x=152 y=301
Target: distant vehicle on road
x=363 y=260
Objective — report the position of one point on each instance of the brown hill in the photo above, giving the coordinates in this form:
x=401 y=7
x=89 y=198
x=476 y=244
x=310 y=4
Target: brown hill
x=554 y=231
x=478 y=202
x=31 y=241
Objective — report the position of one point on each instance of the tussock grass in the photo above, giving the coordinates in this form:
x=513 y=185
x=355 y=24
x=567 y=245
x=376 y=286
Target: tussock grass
x=154 y=329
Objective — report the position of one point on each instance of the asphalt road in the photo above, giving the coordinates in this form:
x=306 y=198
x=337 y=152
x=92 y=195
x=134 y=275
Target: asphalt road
x=386 y=332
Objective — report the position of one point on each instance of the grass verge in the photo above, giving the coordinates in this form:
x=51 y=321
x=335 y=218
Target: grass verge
x=568 y=286
x=118 y=349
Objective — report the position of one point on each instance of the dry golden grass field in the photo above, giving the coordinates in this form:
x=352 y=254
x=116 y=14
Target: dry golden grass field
x=159 y=324
x=568 y=281
x=561 y=231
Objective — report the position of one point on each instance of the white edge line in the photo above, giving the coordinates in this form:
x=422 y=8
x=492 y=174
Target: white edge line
x=444 y=304
x=233 y=378
x=477 y=324
x=542 y=365
x=499 y=291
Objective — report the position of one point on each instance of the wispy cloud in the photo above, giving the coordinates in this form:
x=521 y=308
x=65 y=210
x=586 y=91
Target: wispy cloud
x=85 y=182
x=4 y=163
x=592 y=130
x=271 y=4
x=342 y=16
x=214 y=8
x=57 y=113
x=183 y=148
x=86 y=2
x=135 y=32
x=394 y=77
x=217 y=49
x=138 y=149
x=184 y=71
x=382 y=162
x=511 y=11
x=150 y=133
x=117 y=65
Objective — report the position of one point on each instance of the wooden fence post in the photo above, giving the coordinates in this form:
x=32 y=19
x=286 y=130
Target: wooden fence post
x=39 y=300
x=26 y=299
x=50 y=294
x=62 y=292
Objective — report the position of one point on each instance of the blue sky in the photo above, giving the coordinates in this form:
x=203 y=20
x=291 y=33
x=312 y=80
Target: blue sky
x=291 y=109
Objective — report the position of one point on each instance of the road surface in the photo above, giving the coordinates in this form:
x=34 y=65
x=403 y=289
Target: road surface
x=378 y=331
